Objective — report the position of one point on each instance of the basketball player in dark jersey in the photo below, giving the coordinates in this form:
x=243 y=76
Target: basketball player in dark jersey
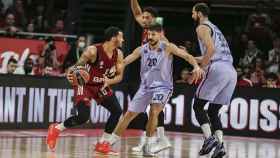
x=104 y=62
x=145 y=18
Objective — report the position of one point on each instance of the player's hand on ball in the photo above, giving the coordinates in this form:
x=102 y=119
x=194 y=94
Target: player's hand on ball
x=106 y=83
x=197 y=74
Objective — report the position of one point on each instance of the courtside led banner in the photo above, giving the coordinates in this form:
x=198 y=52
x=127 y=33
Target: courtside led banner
x=35 y=102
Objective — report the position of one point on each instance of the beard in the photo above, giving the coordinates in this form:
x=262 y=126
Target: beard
x=196 y=21
x=153 y=43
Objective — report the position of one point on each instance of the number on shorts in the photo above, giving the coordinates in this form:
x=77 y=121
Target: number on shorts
x=158 y=97
x=80 y=90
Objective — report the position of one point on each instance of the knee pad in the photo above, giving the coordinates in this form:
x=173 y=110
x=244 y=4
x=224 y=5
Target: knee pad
x=213 y=113
x=214 y=109
x=200 y=113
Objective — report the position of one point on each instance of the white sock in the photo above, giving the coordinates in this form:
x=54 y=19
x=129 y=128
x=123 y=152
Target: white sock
x=219 y=135
x=160 y=132
x=151 y=140
x=105 y=136
x=206 y=130
x=60 y=127
x=112 y=138
x=144 y=134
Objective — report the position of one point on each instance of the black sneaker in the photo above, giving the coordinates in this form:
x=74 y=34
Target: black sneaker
x=208 y=145
x=219 y=152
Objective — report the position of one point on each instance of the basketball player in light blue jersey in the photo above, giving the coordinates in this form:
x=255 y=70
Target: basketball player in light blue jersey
x=156 y=83
x=218 y=84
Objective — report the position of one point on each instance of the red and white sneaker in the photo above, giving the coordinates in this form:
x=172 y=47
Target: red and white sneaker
x=53 y=134
x=105 y=149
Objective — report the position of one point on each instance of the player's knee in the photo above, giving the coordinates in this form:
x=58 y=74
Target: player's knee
x=129 y=115
x=200 y=113
x=198 y=106
x=213 y=110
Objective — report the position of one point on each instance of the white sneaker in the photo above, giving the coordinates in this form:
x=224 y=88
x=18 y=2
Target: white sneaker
x=162 y=144
x=138 y=150
x=147 y=151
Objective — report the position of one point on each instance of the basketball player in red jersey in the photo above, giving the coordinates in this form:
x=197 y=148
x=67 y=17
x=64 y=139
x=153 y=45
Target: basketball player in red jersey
x=145 y=18
x=104 y=63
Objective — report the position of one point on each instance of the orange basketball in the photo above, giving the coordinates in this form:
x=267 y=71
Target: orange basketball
x=80 y=76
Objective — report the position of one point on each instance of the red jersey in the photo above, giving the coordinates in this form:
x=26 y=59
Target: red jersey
x=144 y=36
x=244 y=83
x=103 y=65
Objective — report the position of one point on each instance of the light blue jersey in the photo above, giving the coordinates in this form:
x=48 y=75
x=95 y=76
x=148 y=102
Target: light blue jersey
x=219 y=82
x=156 y=78
x=156 y=67
x=222 y=50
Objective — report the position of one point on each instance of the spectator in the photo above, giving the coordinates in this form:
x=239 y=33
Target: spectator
x=49 y=59
x=258 y=19
x=75 y=52
x=11 y=66
x=185 y=76
x=243 y=78
x=27 y=68
x=2 y=14
x=9 y=21
x=271 y=81
x=257 y=76
x=274 y=57
x=251 y=53
x=240 y=43
x=18 y=10
x=258 y=27
x=59 y=29
x=243 y=44
x=31 y=29
x=39 y=18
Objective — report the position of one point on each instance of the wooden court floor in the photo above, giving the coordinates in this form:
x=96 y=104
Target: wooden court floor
x=79 y=144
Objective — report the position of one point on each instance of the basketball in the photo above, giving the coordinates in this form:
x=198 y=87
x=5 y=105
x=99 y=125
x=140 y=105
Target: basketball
x=80 y=76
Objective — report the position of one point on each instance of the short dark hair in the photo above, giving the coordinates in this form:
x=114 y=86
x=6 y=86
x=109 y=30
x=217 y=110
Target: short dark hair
x=153 y=11
x=12 y=60
x=155 y=27
x=110 y=32
x=203 y=8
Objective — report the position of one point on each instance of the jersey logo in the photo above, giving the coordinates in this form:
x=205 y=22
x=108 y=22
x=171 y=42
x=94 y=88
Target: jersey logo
x=145 y=51
x=110 y=73
x=101 y=64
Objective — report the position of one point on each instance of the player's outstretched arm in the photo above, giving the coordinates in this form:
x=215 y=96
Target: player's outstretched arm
x=204 y=34
x=132 y=57
x=119 y=71
x=137 y=12
x=197 y=71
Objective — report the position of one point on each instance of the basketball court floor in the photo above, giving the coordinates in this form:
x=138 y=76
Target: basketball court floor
x=79 y=144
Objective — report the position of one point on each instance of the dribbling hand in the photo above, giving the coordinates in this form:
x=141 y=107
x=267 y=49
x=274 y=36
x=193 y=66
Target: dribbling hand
x=197 y=74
